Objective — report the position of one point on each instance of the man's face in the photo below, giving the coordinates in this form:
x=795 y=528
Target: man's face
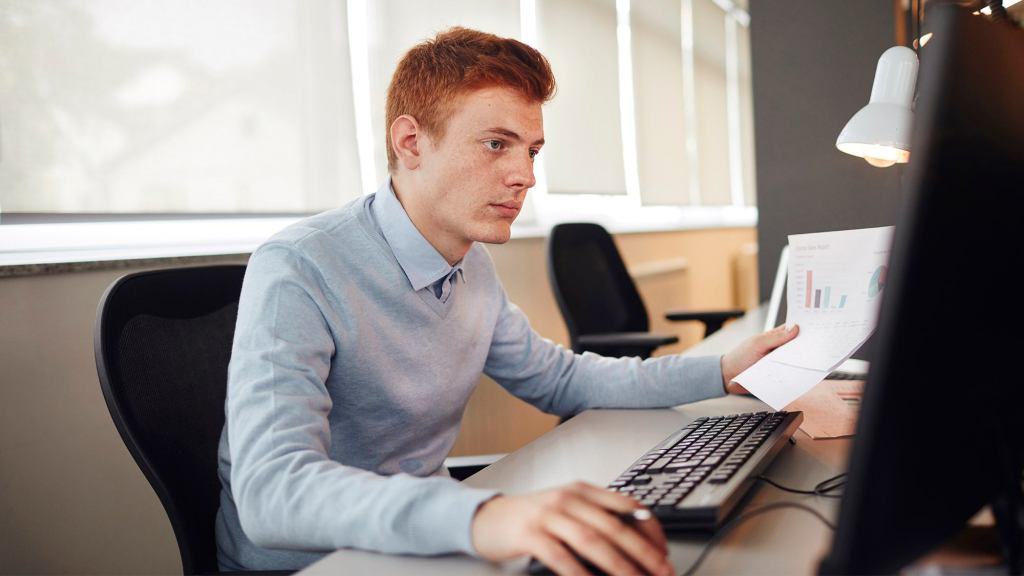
x=472 y=183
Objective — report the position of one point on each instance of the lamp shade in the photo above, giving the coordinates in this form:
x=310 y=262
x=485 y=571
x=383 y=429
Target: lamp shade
x=880 y=131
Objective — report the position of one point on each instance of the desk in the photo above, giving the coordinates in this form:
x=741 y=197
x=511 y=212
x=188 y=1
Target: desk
x=599 y=444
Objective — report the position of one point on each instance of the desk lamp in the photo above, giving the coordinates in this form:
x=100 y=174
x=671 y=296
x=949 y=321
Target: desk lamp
x=880 y=131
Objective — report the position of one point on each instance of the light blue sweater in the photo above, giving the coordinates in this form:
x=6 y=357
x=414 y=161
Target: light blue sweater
x=349 y=377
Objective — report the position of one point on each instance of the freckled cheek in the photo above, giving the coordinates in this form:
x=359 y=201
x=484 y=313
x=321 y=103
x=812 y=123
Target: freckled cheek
x=478 y=171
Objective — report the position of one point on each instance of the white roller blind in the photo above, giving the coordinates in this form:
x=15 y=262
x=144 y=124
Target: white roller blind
x=583 y=153
x=250 y=106
x=397 y=25
x=174 y=106
x=658 y=87
x=711 y=102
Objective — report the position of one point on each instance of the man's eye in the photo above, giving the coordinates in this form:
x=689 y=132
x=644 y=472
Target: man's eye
x=493 y=144
x=534 y=152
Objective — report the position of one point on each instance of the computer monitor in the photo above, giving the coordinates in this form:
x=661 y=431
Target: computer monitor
x=941 y=426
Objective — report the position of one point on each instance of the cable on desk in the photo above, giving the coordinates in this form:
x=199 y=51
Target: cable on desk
x=732 y=524
x=823 y=488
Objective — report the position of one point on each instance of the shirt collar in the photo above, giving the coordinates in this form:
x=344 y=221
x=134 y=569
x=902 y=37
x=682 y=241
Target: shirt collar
x=422 y=263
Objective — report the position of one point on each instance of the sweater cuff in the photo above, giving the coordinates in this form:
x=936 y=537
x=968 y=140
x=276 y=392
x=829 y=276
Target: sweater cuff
x=703 y=375
x=463 y=511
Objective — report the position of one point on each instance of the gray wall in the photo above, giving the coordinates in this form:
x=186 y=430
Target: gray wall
x=72 y=501
x=813 y=64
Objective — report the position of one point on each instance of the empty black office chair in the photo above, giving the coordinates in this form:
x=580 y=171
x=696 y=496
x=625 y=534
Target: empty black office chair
x=162 y=342
x=598 y=299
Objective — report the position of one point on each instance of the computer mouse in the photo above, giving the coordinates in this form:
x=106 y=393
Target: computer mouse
x=630 y=517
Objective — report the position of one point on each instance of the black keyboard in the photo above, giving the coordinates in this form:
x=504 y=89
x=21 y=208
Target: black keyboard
x=696 y=476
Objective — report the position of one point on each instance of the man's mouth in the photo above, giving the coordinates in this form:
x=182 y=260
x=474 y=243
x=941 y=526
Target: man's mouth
x=508 y=209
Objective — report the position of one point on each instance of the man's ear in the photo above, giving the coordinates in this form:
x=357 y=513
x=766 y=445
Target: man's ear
x=406 y=135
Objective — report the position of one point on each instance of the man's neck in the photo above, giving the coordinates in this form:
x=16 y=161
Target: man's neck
x=405 y=191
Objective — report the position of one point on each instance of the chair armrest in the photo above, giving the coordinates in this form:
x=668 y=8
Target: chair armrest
x=624 y=339
x=712 y=319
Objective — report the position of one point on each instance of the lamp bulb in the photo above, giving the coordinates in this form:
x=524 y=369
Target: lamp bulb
x=879 y=162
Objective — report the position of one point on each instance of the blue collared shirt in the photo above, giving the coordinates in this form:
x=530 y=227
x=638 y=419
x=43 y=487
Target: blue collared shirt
x=423 y=265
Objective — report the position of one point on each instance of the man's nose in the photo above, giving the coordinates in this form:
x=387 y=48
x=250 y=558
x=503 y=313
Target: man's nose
x=520 y=174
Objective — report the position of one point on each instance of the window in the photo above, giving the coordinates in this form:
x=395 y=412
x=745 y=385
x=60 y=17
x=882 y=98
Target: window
x=249 y=107
x=175 y=106
x=694 y=113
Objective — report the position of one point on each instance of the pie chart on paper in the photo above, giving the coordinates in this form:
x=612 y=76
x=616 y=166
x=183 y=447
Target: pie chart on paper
x=877 y=281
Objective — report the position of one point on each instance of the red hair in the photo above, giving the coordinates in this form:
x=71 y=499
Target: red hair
x=433 y=74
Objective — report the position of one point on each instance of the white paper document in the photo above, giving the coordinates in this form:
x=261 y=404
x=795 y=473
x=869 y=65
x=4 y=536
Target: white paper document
x=835 y=284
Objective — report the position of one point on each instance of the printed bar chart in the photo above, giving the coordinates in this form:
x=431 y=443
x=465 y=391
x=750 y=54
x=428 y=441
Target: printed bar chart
x=808 y=289
x=821 y=298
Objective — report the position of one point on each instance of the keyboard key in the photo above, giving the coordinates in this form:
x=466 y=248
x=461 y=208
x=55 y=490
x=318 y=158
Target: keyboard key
x=690 y=462
x=658 y=466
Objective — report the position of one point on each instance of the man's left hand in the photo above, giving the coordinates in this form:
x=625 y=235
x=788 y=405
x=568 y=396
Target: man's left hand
x=750 y=351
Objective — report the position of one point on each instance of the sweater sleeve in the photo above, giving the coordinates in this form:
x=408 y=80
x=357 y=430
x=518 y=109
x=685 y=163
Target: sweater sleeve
x=288 y=492
x=558 y=381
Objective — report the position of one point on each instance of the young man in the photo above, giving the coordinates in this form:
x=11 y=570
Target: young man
x=362 y=332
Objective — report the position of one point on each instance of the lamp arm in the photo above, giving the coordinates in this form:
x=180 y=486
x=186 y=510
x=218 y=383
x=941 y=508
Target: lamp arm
x=998 y=11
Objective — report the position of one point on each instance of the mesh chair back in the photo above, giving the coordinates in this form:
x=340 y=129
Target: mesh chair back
x=592 y=286
x=163 y=341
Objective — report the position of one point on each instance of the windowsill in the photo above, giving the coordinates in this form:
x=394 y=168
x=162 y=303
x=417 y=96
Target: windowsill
x=48 y=248
x=22 y=244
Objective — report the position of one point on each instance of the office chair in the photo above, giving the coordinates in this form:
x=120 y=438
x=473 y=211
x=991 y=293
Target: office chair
x=162 y=342
x=599 y=300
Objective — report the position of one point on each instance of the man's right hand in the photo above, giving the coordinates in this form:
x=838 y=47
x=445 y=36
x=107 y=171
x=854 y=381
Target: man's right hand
x=581 y=517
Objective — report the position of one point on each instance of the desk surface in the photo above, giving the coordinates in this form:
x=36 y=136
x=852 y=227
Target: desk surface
x=599 y=444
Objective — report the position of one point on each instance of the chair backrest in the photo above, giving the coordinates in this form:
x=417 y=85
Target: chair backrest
x=592 y=286
x=162 y=342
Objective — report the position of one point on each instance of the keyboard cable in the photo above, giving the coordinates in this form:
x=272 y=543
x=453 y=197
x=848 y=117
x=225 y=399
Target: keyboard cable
x=823 y=488
x=732 y=524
